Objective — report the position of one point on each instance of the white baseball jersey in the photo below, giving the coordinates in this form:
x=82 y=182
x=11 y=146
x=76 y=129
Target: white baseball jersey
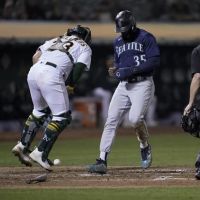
x=46 y=78
x=77 y=48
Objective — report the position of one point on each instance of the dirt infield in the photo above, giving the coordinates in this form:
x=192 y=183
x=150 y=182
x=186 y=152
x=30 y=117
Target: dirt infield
x=117 y=177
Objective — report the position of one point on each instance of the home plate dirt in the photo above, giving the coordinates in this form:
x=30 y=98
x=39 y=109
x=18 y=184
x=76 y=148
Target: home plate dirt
x=78 y=177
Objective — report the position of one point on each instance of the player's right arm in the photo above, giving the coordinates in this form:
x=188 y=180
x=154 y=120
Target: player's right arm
x=42 y=48
x=82 y=64
x=194 y=86
x=195 y=83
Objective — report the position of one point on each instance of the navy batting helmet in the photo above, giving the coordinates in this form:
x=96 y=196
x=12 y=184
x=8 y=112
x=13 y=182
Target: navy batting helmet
x=80 y=31
x=124 y=20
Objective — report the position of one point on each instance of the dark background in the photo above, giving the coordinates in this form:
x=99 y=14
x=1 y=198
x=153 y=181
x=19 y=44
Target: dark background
x=172 y=79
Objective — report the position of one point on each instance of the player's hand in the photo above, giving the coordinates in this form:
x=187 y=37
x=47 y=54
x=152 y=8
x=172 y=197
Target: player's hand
x=187 y=109
x=123 y=73
x=112 y=70
x=70 y=89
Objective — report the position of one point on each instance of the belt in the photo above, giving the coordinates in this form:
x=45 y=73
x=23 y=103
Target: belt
x=137 y=79
x=51 y=64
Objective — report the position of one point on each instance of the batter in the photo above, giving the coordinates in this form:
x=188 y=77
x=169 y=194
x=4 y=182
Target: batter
x=136 y=56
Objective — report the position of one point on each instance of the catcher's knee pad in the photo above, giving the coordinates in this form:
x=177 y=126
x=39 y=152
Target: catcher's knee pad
x=54 y=128
x=37 y=121
x=59 y=122
x=41 y=113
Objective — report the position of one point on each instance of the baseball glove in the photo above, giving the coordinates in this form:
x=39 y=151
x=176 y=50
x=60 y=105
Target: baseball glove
x=191 y=122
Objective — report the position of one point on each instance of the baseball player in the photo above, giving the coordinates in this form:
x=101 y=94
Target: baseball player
x=136 y=56
x=52 y=64
x=194 y=88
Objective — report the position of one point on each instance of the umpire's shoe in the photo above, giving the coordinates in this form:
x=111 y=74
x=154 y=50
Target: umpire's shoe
x=197 y=175
x=18 y=150
x=146 y=157
x=36 y=156
x=99 y=167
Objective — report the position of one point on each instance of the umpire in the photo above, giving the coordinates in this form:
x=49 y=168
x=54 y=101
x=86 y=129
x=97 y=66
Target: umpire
x=194 y=88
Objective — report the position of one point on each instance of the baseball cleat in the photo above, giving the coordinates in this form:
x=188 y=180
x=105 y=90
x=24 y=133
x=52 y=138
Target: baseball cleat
x=197 y=175
x=23 y=158
x=99 y=167
x=36 y=156
x=146 y=157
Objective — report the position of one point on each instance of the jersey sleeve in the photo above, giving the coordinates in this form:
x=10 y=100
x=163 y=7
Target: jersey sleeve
x=116 y=59
x=85 y=58
x=151 y=46
x=195 y=60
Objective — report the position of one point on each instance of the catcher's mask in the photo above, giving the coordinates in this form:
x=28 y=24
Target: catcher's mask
x=191 y=122
x=125 y=21
x=82 y=32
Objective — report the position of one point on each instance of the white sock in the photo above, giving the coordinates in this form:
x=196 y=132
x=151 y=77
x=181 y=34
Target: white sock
x=143 y=145
x=103 y=155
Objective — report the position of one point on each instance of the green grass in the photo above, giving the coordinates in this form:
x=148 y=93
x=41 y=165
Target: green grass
x=168 y=150
x=172 y=193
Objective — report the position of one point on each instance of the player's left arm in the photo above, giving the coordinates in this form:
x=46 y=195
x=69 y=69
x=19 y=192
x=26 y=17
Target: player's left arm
x=146 y=67
x=75 y=75
x=82 y=64
x=41 y=49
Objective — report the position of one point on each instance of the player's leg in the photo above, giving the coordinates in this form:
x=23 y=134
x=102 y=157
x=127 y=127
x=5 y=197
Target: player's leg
x=53 y=130
x=118 y=106
x=150 y=115
x=35 y=120
x=57 y=98
x=141 y=95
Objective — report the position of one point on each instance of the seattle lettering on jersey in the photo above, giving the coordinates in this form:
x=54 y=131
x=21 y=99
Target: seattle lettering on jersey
x=129 y=46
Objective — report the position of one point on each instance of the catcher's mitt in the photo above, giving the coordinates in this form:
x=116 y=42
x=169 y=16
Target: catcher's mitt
x=191 y=122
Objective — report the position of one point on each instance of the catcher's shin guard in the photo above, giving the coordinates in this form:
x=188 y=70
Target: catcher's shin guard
x=31 y=127
x=47 y=142
x=51 y=134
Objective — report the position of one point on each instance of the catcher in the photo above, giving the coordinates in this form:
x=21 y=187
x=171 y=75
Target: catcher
x=191 y=115
x=53 y=62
